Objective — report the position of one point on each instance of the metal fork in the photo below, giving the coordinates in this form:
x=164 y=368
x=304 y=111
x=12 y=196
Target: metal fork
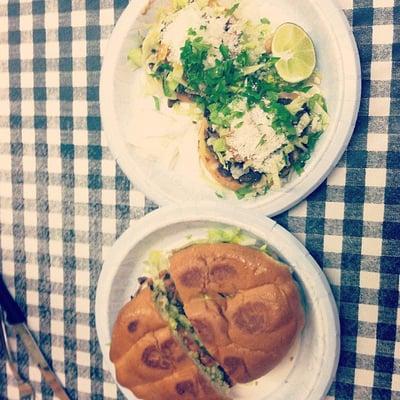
x=25 y=388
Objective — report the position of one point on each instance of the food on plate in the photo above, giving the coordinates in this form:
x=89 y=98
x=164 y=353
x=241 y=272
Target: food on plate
x=148 y=358
x=244 y=305
x=214 y=313
x=295 y=51
x=253 y=90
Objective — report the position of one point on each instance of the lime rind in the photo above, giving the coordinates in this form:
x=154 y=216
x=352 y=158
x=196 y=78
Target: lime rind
x=296 y=52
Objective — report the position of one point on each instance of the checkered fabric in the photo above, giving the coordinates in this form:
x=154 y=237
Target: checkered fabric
x=64 y=201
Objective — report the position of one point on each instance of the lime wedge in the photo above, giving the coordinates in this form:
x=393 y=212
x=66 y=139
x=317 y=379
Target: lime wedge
x=296 y=52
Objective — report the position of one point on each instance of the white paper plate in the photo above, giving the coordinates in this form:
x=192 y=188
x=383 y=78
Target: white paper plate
x=338 y=62
x=308 y=370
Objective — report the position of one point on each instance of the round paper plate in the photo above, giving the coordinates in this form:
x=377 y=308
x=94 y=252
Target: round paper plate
x=338 y=63
x=307 y=371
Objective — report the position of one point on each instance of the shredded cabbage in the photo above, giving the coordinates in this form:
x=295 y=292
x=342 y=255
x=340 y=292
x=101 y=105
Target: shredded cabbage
x=156 y=262
x=178 y=4
x=135 y=57
x=229 y=235
x=151 y=42
x=189 y=109
x=253 y=68
x=255 y=37
x=297 y=104
x=218 y=145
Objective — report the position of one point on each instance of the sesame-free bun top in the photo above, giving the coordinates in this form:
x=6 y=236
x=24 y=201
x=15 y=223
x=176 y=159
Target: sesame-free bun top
x=244 y=305
x=148 y=359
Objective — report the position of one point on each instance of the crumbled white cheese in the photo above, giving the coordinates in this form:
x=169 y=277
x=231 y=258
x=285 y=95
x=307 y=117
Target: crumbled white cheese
x=304 y=121
x=236 y=172
x=316 y=124
x=176 y=32
x=231 y=37
x=213 y=26
x=255 y=141
x=272 y=164
x=215 y=29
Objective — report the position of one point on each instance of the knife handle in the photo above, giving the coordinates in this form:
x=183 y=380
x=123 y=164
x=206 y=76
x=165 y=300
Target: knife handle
x=14 y=314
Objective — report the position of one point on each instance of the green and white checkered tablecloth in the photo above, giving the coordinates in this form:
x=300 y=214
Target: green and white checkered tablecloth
x=64 y=201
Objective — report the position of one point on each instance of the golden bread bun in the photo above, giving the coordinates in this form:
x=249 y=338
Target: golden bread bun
x=134 y=320
x=244 y=305
x=187 y=384
x=148 y=359
x=210 y=162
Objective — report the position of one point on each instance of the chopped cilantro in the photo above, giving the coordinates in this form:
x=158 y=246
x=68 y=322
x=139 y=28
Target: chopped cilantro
x=220 y=195
x=283 y=120
x=193 y=54
x=224 y=50
x=218 y=86
x=243 y=59
x=156 y=103
x=244 y=191
x=304 y=89
x=312 y=140
x=273 y=60
x=203 y=27
x=317 y=99
x=262 y=141
x=299 y=164
x=192 y=32
x=267 y=58
x=303 y=157
x=231 y=10
x=297 y=87
x=166 y=89
x=265 y=21
x=163 y=68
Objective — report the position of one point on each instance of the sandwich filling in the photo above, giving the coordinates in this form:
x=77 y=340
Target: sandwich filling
x=171 y=309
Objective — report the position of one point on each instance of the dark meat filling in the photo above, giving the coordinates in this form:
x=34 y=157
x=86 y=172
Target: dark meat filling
x=249 y=176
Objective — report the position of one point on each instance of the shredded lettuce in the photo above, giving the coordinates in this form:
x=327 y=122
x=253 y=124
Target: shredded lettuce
x=265 y=249
x=156 y=262
x=244 y=191
x=218 y=145
x=157 y=103
x=189 y=109
x=253 y=68
x=254 y=38
x=320 y=118
x=317 y=100
x=229 y=235
x=297 y=104
x=151 y=42
x=174 y=78
x=232 y=10
x=178 y=4
x=135 y=57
